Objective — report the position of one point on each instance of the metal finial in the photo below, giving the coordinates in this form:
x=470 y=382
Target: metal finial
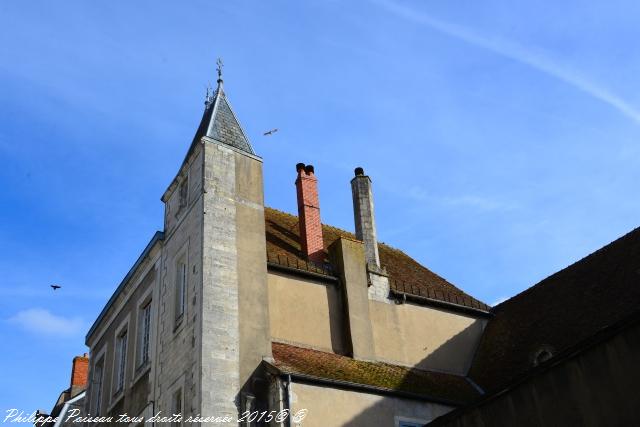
x=209 y=96
x=219 y=69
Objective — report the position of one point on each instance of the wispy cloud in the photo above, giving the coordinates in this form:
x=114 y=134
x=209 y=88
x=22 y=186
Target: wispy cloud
x=518 y=53
x=471 y=201
x=479 y=203
x=44 y=322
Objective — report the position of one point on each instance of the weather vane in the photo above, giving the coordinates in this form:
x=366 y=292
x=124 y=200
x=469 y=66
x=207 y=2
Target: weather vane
x=219 y=69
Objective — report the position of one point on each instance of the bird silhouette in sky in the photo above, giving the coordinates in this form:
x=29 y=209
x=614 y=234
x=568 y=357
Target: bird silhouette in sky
x=55 y=287
x=270 y=132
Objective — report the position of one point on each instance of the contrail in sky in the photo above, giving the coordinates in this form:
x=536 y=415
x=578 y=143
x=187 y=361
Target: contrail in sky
x=517 y=53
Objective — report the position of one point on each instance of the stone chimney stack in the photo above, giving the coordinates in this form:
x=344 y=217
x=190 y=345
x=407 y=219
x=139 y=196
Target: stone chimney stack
x=309 y=214
x=79 y=373
x=364 y=219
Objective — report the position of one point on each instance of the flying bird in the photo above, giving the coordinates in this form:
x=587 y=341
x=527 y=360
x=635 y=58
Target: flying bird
x=55 y=287
x=270 y=132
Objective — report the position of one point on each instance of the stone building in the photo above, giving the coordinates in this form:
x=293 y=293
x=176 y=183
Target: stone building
x=237 y=307
x=71 y=399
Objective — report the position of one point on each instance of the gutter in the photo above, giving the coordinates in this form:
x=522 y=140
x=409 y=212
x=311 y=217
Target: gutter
x=302 y=273
x=289 y=400
x=159 y=235
x=348 y=385
x=403 y=296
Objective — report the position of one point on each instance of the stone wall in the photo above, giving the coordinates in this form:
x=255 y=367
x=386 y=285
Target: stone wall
x=329 y=406
x=177 y=361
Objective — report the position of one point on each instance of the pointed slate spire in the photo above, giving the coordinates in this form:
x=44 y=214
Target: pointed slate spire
x=219 y=121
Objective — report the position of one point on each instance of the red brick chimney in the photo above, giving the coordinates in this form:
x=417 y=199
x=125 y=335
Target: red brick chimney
x=79 y=373
x=309 y=214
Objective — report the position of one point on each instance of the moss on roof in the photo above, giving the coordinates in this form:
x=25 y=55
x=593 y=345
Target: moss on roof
x=405 y=273
x=329 y=366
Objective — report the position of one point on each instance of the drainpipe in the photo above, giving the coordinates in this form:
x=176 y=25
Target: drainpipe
x=289 y=400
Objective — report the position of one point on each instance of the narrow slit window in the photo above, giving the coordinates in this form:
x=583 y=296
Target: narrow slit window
x=181 y=288
x=177 y=405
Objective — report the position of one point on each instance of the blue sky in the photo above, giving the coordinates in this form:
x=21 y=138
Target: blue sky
x=502 y=139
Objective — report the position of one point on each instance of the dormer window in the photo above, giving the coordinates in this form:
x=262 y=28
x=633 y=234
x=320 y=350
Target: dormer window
x=542 y=356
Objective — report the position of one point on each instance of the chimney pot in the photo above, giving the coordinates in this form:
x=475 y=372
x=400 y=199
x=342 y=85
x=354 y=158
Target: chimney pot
x=359 y=171
x=299 y=167
x=309 y=169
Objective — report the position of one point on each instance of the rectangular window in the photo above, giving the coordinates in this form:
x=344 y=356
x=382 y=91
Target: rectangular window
x=145 y=334
x=177 y=405
x=410 y=424
x=121 y=360
x=97 y=386
x=184 y=193
x=181 y=287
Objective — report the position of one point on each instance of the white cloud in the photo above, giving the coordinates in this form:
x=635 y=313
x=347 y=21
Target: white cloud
x=42 y=321
x=518 y=53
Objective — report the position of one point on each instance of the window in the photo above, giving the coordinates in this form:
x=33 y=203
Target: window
x=409 y=422
x=121 y=360
x=96 y=384
x=176 y=406
x=542 y=356
x=184 y=193
x=144 y=323
x=181 y=287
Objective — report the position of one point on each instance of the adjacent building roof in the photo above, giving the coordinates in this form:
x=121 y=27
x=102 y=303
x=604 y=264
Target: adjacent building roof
x=559 y=312
x=406 y=275
x=311 y=365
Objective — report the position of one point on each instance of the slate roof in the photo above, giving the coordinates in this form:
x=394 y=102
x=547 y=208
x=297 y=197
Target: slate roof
x=220 y=123
x=405 y=274
x=314 y=364
x=560 y=311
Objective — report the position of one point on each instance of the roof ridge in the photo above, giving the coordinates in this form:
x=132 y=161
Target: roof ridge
x=559 y=272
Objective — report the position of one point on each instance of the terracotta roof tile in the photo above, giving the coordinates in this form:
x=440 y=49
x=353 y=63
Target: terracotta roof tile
x=405 y=274
x=329 y=366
